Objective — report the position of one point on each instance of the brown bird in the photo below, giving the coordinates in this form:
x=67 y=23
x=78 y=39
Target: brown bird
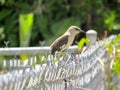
x=64 y=41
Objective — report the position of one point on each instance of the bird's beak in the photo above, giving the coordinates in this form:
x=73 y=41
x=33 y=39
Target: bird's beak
x=83 y=31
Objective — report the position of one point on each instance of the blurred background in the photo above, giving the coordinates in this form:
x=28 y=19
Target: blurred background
x=30 y=22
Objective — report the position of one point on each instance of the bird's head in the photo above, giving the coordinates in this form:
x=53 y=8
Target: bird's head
x=74 y=30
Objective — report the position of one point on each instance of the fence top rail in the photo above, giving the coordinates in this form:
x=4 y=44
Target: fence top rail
x=32 y=50
x=40 y=50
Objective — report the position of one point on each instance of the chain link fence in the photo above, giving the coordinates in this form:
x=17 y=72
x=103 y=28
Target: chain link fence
x=41 y=71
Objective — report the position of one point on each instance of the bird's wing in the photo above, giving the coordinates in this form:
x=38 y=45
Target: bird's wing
x=59 y=44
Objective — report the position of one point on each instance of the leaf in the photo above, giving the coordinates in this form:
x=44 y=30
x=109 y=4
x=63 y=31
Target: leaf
x=4 y=13
x=56 y=59
x=110 y=49
x=116 y=40
x=116 y=68
x=82 y=42
x=26 y=22
x=23 y=57
x=40 y=59
x=110 y=21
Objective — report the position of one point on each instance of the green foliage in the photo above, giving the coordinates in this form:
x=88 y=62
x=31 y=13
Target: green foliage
x=2 y=35
x=56 y=59
x=110 y=21
x=82 y=42
x=26 y=22
x=116 y=67
x=40 y=59
x=116 y=40
x=53 y=17
x=2 y=1
x=113 y=43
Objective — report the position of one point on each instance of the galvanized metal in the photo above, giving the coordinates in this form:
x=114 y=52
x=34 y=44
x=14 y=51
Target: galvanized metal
x=81 y=71
x=31 y=50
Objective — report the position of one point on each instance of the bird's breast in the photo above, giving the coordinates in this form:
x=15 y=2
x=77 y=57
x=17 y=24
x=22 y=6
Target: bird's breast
x=70 y=40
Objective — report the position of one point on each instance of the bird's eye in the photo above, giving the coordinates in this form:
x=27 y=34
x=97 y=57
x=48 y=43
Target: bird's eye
x=77 y=29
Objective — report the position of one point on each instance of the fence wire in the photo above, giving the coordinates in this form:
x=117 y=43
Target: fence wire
x=72 y=71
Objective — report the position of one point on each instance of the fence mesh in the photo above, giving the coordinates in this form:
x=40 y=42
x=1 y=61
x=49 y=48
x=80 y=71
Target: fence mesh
x=71 y=71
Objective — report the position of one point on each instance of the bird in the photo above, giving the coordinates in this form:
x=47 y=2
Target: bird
x=65 y=40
